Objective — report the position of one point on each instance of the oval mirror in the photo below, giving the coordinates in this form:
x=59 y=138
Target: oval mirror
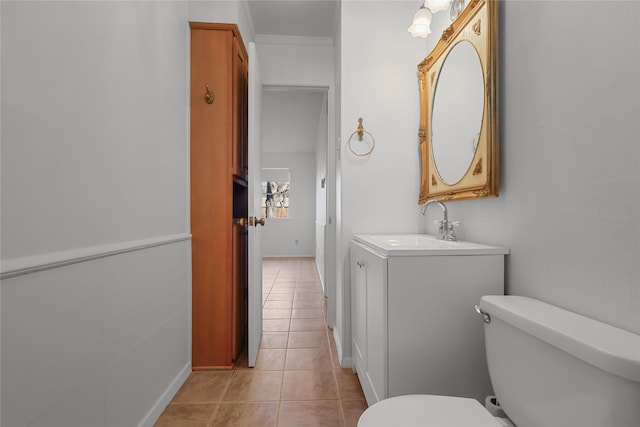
x=458 y=134
x=457 y=112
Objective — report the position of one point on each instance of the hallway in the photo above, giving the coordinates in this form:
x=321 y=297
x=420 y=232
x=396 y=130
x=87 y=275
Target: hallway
x=296 y=381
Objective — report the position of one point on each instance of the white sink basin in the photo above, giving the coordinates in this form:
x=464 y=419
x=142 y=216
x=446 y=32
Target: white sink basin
x=424 y=244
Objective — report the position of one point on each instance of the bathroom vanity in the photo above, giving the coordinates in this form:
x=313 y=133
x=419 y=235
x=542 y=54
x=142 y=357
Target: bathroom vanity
x=414 y=327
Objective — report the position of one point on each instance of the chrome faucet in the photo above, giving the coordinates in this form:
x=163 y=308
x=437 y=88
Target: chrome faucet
x=445 y=227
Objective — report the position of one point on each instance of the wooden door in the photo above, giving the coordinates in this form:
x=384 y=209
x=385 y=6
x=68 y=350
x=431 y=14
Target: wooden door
x=218 y=196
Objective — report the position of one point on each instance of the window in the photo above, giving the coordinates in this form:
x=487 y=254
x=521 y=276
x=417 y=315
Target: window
x=275 y=193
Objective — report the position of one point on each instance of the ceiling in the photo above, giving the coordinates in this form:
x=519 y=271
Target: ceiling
x=291 y=115
x=296 y=18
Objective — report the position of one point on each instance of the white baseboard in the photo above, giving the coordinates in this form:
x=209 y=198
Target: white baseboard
x=345 y=362
x=156 y=410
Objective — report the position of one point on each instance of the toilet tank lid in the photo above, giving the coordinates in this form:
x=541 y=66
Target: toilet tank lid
x=609 y=348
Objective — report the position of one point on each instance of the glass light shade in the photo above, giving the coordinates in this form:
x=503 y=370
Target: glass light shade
x=457 y=6
x=437 y=5
x=421 y=26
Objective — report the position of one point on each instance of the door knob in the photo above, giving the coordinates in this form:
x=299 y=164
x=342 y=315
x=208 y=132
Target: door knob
x=255 y=221
x=252 y=220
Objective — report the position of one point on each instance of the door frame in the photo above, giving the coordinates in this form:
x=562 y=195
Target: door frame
x=330 y=232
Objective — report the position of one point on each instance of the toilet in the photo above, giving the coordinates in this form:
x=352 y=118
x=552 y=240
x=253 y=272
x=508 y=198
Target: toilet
x=548 y=367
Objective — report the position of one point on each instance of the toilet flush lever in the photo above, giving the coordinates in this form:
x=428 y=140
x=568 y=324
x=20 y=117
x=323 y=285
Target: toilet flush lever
x=485 y=316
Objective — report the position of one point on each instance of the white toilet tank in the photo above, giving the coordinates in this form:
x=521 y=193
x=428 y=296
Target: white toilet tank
x=550 y=367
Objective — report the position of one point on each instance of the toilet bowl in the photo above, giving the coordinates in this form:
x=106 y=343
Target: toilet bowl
x=423 y=410
x=548 y=367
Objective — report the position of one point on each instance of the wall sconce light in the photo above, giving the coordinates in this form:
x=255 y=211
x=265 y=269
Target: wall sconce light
x=457 y=6
x=421 y=26
x=436 y=6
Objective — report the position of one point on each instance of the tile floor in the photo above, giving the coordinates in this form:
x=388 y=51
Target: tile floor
x=296 y=381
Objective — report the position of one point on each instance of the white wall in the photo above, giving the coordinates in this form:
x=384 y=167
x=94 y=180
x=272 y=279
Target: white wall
x=379 y=84
x=296 y=64
x=291 y=118
x=569 y=207
x=96 y=279
x=223 y=11
x=570 y=184
x=279 y=235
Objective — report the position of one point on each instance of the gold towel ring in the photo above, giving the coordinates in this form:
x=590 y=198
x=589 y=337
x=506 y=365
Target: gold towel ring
x=361 y=131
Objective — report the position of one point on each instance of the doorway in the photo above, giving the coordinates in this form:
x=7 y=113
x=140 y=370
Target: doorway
x=295 y=137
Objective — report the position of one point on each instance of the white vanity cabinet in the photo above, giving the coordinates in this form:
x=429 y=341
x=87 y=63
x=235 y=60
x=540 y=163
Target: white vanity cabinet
x=414 y=327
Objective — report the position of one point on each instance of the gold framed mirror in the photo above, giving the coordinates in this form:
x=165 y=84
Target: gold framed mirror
x=458 y=84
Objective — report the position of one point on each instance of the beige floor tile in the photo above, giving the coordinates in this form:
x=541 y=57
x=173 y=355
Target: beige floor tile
x=352 y=409
x=309 y=389
x=203 y=387
x=255 y=386
x=281 y=290
x=246 y=414
x=278 y=304
x=307 y=303
x=274 y=340
x=308 y=358
x=288 y=303
x=307 y=325
x=312 y=284
x=320 y=413
x=308 y=385
x=307 y=313
x=268 y=280
x=348 y=384
x=309 y=295
x=270 y=359
x=275 y=325
x=280 y=297
x=187 y=415
x=315 y=292
x=284 y=284
x=306 y=339
x=276 y=313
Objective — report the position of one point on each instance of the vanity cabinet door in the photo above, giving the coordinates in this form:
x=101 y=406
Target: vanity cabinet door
x=377 y=325
x=369 y=321
x=358 y=307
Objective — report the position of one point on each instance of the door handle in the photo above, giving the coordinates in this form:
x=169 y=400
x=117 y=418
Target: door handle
x=255 y=221
x=251 y=221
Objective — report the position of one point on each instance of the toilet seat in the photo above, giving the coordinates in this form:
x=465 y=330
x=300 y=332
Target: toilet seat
x=423 y=410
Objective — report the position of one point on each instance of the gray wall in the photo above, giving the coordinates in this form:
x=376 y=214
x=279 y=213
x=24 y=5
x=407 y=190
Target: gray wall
x=570 y=182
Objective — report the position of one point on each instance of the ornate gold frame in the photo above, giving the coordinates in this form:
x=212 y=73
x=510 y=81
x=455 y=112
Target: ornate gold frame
x=478 y=24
